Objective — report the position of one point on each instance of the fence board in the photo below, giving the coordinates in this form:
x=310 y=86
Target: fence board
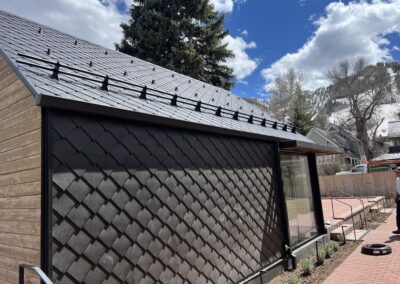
x=372 y=184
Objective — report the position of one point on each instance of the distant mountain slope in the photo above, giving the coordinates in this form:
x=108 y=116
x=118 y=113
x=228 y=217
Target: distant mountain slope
x=327 y=108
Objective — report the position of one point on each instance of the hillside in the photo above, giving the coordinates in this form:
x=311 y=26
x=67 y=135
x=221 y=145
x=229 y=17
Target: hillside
x=329 y=109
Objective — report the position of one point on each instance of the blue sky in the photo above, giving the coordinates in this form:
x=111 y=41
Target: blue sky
x=267 y=36
x=278 y=27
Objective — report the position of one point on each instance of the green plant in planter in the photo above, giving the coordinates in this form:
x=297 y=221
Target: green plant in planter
x=340 y=239
x=328 y=248
x=335 y=246
x=307 y=266
x=294 y=279
x=321 y=256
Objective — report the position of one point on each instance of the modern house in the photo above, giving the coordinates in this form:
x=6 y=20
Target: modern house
x=116 y=170
x=393 y=155
x=353 y=150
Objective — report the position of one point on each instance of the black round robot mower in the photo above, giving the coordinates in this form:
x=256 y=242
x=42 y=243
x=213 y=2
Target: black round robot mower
x=376 y=249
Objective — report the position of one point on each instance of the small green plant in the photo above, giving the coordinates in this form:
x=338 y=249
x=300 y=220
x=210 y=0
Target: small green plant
x=335 y=246
x=321 y=256
x=328 y=248
x=340 y=239
x=294 y=279
x=307 y=266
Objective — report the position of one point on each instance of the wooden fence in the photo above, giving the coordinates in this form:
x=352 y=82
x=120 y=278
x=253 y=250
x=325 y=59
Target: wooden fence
x=370 y=184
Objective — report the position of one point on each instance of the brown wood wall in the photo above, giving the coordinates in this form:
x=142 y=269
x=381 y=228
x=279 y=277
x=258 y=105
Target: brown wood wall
x=20 y=174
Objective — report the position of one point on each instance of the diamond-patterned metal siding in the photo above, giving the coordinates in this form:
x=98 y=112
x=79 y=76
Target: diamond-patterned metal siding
x=144 y=204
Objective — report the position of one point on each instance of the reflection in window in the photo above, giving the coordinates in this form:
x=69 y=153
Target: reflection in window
x=299 y=199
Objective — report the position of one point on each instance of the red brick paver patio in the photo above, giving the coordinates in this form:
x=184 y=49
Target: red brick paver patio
x=359 y=268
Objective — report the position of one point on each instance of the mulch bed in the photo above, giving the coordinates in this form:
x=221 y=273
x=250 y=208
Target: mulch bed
x=321 y=272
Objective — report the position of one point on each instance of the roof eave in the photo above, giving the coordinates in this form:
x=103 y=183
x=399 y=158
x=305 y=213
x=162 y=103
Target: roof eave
x=70 y=105
x=306 y=147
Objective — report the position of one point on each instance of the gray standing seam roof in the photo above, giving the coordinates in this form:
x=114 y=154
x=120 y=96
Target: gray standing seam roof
x=21 y=36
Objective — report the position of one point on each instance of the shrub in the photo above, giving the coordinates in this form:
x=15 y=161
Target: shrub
x=328 y=248
x=340 y=239
x=335 y=246
x=306 y=266
x=294 y=279
x=321 y=256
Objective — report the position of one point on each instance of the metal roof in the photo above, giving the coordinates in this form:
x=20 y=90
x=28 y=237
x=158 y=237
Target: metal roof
x=33 y=51
x=387 y=157
x=394 y=129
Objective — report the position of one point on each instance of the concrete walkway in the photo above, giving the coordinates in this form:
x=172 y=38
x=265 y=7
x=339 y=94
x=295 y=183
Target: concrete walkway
x=359 y=268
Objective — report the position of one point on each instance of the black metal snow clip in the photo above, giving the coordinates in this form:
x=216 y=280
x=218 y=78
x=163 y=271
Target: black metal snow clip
x=174 y=100
x=236 y=115
x=91 y=63
x=125 y=73
x=275 y=125
x=106 y=52
x=198 y=106
x=250 y=120
x=76 y=42
x=104 y=85
x=40 y=30
x=56 y=71
x=284 y=128
x=294 y=130
x=264 y=122
x=48 y=51
x=218 y=112
x=143 y=93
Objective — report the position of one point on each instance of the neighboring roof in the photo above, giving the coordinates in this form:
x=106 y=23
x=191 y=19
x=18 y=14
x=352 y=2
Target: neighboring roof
x=389 y=158
x=394 y=129
x=81 y=89
x=351 y=155
x=324 y=134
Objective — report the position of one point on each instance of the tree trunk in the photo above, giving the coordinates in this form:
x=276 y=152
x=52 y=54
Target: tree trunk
x=362 y=135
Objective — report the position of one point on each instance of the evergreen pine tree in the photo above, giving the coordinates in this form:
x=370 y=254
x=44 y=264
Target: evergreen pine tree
x=301 y=116
x=181 y=35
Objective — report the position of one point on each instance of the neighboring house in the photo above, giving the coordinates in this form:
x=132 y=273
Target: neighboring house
x=353 y=150
x=115 y=170
x=393 y=155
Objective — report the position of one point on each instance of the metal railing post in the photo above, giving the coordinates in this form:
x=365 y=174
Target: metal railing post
x=43 y=277
x=333 y=210
x=21 y=275
x=352 y=219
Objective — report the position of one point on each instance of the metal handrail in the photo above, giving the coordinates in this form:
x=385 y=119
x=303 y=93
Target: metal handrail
x=351 y=211
x=362 y=203
x=37 y=270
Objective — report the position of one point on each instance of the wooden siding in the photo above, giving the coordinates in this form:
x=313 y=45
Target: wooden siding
x=20 y=174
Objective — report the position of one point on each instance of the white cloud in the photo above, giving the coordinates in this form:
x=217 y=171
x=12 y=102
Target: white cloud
x=244 y=33
x=223 y=6
x=242 y=64
x=99 y=23
x=346 y=32
x=88 y=19
x=226 y=6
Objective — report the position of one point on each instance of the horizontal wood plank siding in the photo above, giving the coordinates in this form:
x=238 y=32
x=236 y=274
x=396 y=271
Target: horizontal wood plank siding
x=20 y=177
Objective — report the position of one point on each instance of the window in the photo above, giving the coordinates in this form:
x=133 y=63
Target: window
x=299 y=199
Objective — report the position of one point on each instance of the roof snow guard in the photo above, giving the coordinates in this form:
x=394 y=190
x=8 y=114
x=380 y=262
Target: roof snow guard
x=65 y=72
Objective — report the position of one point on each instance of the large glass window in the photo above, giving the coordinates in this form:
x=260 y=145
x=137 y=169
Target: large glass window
x=299 y=199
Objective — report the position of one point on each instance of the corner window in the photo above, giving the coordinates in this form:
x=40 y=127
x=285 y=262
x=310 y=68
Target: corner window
x=299 y=198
